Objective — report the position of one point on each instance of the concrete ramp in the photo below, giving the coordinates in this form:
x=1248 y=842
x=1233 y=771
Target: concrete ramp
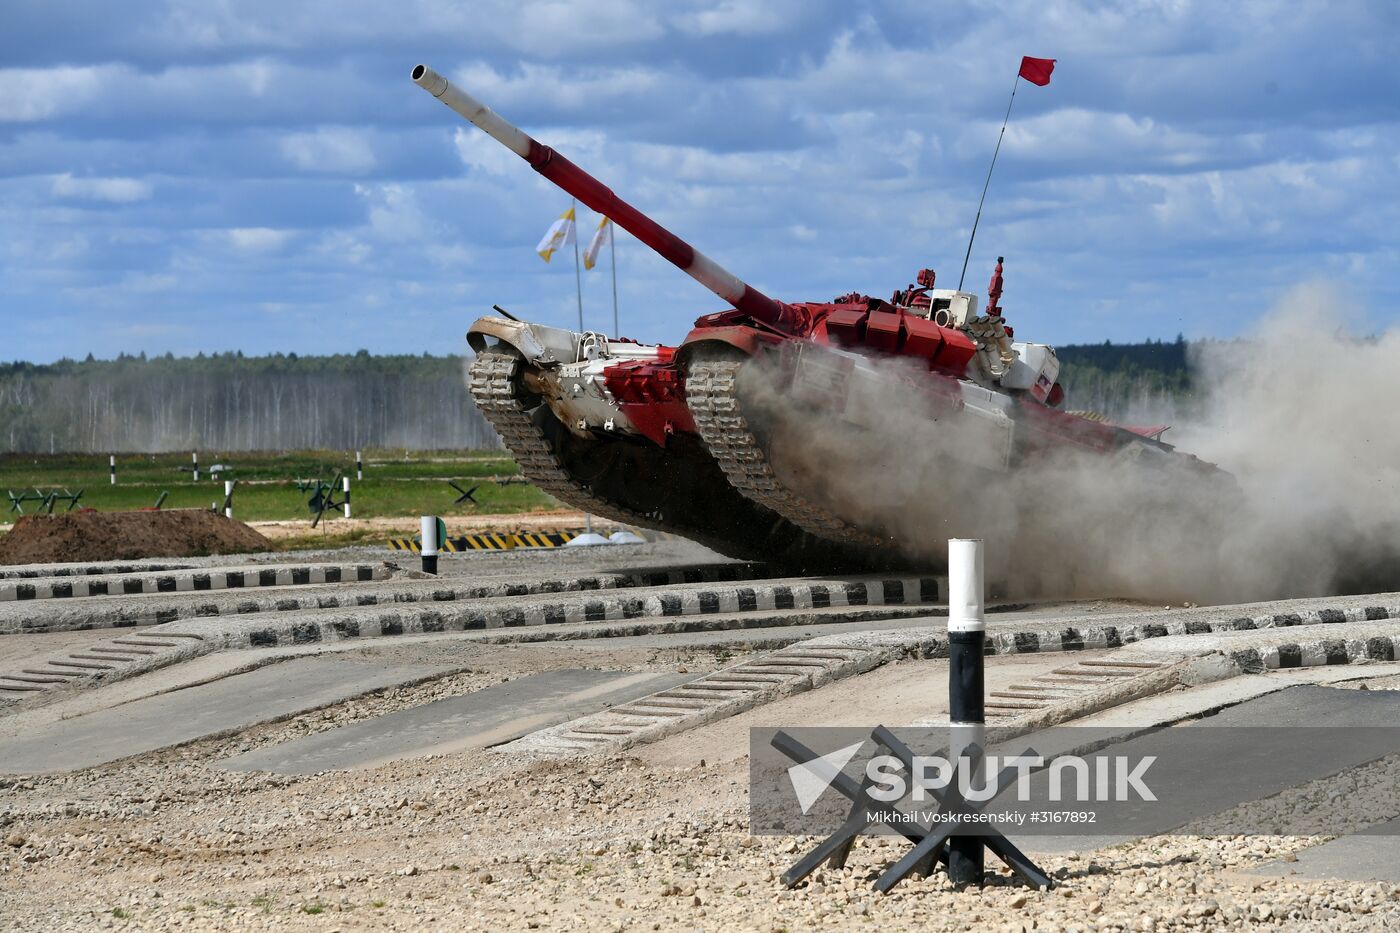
x=182 y=716
x=475 y=720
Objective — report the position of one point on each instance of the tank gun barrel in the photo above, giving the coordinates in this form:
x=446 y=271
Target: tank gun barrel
x=598 y=197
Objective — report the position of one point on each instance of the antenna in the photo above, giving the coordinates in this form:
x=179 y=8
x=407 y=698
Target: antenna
x=1037 y=71
x=988 y=183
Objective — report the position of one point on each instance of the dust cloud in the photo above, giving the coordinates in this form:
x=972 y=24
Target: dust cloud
x=1301 y=413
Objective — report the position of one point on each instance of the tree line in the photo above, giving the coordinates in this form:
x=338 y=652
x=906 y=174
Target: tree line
x=228 y=401
x=1129 y=382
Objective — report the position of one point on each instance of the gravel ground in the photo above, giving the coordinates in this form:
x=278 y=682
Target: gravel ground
x=481 y=841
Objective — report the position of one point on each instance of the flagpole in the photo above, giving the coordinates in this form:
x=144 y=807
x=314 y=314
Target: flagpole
x=578 y=276
x=578 y=288
x=612 y=251
x=968 y=255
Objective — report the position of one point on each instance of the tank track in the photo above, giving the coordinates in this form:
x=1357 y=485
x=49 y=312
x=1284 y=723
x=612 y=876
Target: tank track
x=712 y=394
x=495 y=386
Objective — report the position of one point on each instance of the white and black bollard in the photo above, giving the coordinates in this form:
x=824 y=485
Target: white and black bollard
x=359 y=467
x=428 y=536
x=194 y=458
x=112 y=466
x=345 y=485
x=228 y=498
x=967 y=637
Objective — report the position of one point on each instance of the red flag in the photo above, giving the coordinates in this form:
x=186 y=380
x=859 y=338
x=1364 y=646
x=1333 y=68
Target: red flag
x=1037 y=70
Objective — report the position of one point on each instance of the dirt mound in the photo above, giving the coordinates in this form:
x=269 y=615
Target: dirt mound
x=48 y=539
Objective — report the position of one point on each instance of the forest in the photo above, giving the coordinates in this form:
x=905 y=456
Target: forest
x=229 y=401
x=1129 y=381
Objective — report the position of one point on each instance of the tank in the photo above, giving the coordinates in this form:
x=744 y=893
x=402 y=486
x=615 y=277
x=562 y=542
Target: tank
x=726 y=437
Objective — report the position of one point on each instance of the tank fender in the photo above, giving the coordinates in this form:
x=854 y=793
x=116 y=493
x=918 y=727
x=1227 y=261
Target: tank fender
x=536 y=343
x=746 y=340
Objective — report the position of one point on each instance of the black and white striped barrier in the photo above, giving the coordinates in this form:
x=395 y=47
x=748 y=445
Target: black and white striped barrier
x=191 y=582
x=345 y=485
x=228 y=498
x=50 y=615
x=359 y=467
x=194 y=458
x=899 y=596
x=112 y=465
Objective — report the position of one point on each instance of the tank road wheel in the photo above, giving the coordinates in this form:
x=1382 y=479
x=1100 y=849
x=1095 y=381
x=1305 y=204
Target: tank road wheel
x=731 y=423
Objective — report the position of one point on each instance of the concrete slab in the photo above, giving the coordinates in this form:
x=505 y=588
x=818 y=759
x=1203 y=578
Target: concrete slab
x=1195 y=797
x=475 y=720
x=1373 y=855
x=182 y=716
x=1310 y=705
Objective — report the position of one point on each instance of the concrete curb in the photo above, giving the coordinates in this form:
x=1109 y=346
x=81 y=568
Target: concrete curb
x=1193 y=660
x=62 y=615
x=190 y=581
x=788 y=622
x=1313 y=646
x=690 y=608
x=1054 y=637
x=329 y=625
x=1254 y=644
x=1145 y=670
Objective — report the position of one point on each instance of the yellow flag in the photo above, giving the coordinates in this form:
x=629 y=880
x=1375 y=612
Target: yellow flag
x=559 y=235
x=604 y=231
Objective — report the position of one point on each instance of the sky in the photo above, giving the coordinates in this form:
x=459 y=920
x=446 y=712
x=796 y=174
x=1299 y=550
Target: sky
x=264 y=177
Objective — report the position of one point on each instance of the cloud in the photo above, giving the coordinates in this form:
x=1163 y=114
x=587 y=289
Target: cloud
x=257 y=239
x=734 y=17
x=482 y=153
x=145 y=283
x=394 y=212
x=114 y=190
x=236 y=155
x=31 y=94
x=580 y=90
x=330 y=149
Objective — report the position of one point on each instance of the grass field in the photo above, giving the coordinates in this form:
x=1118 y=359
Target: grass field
x=395 y=484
